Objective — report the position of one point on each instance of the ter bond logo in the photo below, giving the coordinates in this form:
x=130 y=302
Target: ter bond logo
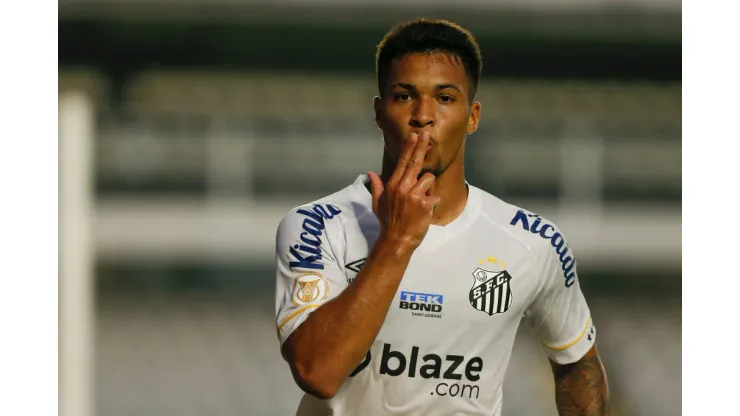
x=427 y=305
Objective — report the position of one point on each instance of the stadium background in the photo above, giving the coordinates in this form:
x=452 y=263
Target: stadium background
x=209 y=120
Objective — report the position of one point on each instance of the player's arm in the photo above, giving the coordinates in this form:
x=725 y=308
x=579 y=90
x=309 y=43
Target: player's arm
x=561 y=320
x=336 y=337
x=581 y=388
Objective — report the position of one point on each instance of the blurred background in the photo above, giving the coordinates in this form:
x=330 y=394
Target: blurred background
x=203 y=122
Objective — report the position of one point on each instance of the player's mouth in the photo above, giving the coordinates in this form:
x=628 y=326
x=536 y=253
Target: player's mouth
x=430 y=145
x=431 y=139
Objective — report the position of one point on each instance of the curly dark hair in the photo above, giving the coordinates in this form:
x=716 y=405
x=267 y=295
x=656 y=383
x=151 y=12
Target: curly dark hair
x=429 y=36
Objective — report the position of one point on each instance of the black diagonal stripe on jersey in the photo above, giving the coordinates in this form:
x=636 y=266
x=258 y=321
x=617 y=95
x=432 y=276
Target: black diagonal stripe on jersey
x=486 y=301
x=491 y=301
x=504 y=297
x=508 y=298
x=500 y=296
x=494 y=299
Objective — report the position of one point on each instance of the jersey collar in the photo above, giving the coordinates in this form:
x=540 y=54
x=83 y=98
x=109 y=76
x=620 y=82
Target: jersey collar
x=437 y=234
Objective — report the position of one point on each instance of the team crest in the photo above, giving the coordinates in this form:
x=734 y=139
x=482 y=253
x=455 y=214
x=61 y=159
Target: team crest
x=491 y=291
x=309 y=287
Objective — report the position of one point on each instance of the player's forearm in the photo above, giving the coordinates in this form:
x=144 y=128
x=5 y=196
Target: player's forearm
x=336 y=337
x=581 y=388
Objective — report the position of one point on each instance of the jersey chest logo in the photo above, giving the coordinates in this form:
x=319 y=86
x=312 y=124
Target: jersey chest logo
x=491 y=291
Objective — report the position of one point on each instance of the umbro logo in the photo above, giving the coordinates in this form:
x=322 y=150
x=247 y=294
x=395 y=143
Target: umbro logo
x=354 y=266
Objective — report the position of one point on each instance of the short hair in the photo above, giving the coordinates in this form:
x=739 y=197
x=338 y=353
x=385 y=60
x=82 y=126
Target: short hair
x=429 y=36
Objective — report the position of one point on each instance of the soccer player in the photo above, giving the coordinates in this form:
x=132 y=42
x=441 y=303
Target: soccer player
x=402 y=293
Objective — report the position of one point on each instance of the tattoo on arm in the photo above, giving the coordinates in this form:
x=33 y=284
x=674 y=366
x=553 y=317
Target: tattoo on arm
x=581 y=388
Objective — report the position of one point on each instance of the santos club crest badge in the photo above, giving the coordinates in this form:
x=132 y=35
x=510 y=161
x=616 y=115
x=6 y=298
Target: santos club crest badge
x=491 y=291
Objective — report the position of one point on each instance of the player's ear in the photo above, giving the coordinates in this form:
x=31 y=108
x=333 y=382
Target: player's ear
x=377 y=101
x=474 y=117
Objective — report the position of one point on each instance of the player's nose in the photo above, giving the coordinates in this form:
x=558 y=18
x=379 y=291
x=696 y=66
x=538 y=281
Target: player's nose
x=422 y=114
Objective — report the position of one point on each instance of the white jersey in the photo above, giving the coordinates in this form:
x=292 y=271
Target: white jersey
x=446 y=342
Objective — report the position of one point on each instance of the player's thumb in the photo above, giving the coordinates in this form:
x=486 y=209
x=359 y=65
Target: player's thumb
x=432 y=202
x=376 y=188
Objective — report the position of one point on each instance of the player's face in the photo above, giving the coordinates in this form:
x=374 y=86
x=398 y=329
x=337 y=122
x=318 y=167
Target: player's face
x=427 y=92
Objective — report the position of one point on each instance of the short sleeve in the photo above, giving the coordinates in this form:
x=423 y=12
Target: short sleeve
x=308 y=273
x=559 y=315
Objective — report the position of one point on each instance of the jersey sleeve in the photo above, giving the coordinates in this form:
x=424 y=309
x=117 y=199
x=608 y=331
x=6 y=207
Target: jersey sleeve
x=308 y=273
x=559 y=315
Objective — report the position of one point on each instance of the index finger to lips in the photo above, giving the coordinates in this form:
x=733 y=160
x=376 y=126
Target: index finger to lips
x=417 y=158
x=403 y=160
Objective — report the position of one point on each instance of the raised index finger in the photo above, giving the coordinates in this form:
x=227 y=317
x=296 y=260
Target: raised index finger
x=403 y=160
x=417 y=159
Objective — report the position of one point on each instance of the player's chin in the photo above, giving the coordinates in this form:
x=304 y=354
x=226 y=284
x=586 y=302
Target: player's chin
x=434 y=170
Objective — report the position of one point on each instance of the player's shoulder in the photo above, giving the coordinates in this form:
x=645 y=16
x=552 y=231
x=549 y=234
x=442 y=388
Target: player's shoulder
x=310 y=232
x=531 y=229
x=333 y=210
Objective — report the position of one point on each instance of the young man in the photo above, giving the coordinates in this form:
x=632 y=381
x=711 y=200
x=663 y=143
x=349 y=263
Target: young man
x=402 y=293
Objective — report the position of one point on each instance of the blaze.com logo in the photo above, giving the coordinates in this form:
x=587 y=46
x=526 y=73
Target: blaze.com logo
x=454 y=372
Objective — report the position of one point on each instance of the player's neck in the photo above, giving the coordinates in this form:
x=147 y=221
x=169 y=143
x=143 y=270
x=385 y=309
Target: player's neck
x=450 y=186
x=453 y=191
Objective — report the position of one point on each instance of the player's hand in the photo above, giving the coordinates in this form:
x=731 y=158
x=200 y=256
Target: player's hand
x=404 y=205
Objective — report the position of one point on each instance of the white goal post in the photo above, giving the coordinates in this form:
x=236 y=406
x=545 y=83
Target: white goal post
x=76 y=254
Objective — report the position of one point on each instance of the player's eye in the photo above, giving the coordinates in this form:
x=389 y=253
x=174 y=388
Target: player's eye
x=446 y=99
x=403 y=96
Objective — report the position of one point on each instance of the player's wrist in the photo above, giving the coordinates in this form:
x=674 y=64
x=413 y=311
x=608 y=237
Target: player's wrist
x=395 y=245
